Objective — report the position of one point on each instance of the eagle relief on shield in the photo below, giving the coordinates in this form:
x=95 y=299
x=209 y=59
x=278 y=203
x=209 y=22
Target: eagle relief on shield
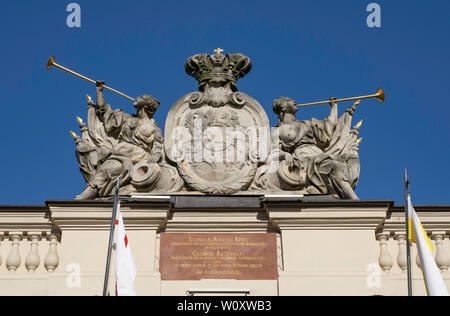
x=217 y=136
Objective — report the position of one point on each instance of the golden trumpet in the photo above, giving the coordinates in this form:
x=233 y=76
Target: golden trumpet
x=51 y=63
x=380 y=95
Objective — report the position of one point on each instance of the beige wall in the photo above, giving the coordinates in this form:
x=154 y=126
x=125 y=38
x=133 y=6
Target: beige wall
x=333 y=248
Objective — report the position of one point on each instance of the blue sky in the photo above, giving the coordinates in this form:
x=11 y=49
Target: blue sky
x=307 y=50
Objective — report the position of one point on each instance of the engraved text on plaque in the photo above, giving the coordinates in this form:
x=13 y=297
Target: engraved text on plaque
x=196 y=256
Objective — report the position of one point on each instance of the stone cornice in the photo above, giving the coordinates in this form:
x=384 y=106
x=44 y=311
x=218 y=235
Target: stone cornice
x=305 y=213
x=27 y=219
x=245 y=220
x=96 y=215
x=328 y=215
x=434 y=218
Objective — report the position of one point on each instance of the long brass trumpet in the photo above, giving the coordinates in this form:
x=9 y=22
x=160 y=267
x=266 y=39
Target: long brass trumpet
x=379 y=95
x=51 y=63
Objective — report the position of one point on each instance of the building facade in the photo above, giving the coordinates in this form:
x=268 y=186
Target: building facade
x=323 y=246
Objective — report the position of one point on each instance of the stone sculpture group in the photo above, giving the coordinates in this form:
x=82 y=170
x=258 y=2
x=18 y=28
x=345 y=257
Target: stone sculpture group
x=217 y=141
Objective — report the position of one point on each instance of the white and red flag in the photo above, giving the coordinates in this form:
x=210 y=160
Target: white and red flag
x=125 y=266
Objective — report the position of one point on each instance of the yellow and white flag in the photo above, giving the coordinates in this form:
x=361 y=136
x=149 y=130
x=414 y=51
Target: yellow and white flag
x=433 y=279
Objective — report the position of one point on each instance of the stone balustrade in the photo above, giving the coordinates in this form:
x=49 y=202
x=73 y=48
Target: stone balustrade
x=28 y=240
x=24 y=252
x=395 y=256
x=392 y=239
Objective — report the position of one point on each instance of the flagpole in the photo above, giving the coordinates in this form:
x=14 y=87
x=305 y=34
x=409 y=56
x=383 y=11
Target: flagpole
x=111 y=241
x=408 y=245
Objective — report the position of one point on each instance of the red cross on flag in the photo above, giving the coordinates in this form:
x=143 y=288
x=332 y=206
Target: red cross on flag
x=125 y=266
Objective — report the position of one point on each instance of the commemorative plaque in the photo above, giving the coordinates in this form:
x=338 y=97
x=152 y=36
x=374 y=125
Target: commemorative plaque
x=196 y=256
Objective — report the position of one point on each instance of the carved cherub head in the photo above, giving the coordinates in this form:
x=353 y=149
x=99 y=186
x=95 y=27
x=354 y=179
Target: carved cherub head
x=147 y=103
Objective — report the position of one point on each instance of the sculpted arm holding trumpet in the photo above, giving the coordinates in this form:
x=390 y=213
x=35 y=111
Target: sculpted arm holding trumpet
x=134 y=144
x=315 y=156
x=139 y=138
x=293 y=133
x=309 y=165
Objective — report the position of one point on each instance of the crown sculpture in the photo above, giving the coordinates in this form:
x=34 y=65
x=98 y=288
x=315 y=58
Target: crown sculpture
x=217 y=141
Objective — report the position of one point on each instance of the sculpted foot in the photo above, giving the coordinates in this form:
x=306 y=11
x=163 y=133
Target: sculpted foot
x=348 y=192
x=88 y=194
